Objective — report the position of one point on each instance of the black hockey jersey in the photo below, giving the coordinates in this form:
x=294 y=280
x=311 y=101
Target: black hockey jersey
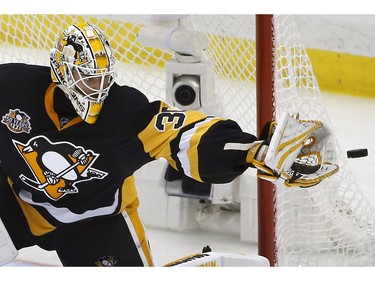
x=64 y=170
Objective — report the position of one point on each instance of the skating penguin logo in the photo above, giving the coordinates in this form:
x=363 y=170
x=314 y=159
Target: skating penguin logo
x=57 y=167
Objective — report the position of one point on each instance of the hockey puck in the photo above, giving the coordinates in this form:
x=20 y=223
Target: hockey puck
x=356 y=153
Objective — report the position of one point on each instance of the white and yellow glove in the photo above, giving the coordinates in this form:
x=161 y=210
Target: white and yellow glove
x=294 y=154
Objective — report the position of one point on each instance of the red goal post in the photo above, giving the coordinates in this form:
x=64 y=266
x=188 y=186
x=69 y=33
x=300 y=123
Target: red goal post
x=262 y=69
x=331 y=224
x=265 y=113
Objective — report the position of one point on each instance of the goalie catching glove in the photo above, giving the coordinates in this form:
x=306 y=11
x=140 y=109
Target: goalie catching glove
x=293 y=153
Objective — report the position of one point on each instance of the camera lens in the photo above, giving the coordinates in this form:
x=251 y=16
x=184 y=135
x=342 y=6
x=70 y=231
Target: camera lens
x=186 y=91
x=185 y=95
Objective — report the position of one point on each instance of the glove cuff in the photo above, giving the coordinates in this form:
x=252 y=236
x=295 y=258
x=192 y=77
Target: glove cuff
x=253 y=151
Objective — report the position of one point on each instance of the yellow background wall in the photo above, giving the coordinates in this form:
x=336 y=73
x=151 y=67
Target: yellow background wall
x=344 y=73
x=342 y=51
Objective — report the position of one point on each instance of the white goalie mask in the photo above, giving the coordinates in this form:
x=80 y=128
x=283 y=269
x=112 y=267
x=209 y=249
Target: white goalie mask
x=83 y=66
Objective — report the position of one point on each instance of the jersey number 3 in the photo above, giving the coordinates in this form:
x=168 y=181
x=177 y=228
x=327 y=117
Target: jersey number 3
x=177 y=118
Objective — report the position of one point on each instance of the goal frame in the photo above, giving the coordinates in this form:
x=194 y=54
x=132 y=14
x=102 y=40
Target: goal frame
x=265 y=113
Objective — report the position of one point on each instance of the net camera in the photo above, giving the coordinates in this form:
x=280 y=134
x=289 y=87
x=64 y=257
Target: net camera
x=189 y=80
x=189 y=85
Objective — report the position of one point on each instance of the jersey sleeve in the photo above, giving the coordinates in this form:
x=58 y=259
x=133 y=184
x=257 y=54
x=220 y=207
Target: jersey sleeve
x=205 y=148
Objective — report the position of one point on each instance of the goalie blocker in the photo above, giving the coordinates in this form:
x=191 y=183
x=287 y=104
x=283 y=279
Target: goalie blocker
x=297 y=154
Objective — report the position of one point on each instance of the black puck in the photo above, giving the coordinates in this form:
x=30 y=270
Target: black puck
x=356 y=153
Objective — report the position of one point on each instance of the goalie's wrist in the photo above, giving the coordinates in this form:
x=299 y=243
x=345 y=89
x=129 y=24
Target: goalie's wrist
x=261 y=154
x=257 y=152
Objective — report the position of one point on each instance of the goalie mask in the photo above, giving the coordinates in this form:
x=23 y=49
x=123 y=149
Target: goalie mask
x=83 y=66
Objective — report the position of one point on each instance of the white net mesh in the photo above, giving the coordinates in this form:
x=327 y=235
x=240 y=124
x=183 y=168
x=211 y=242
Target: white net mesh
x=332 y=223
x=329 y=224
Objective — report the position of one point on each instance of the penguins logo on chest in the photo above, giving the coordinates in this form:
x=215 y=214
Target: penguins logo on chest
x=57 y=167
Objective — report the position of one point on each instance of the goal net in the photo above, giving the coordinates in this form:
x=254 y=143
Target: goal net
x=326 y=225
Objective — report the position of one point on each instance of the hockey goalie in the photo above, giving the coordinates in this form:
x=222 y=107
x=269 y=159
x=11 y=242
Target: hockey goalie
x=292 y=151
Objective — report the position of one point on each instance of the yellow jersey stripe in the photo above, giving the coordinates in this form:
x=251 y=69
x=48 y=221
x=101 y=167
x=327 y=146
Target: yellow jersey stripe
x=188 y=154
